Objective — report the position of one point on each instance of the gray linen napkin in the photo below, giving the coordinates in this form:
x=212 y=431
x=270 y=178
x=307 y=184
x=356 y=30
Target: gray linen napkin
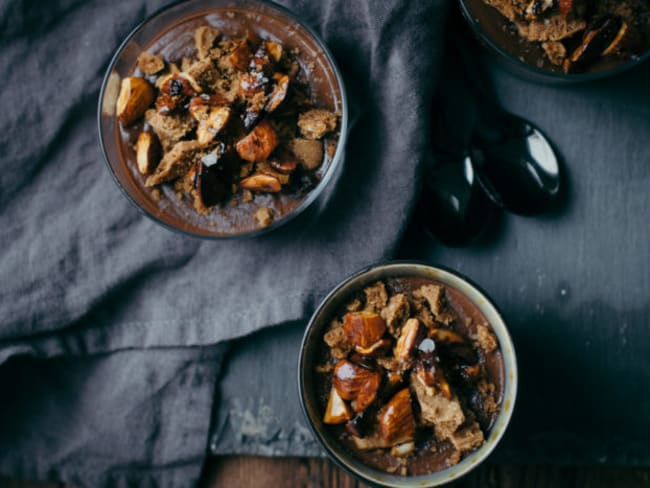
x=84 y=275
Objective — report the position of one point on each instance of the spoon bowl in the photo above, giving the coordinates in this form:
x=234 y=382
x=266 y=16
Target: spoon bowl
x=455 y=208
x=515 y=164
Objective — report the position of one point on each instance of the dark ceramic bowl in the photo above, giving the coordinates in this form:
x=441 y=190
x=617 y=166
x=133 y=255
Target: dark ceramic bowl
x=307 y=377
x=231 y=17
x=526 y=59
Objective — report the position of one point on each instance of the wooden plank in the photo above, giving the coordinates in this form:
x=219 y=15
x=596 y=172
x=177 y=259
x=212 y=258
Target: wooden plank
x=254 y=472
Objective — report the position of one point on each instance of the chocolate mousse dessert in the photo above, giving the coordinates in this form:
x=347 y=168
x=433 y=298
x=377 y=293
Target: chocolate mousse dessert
x=410 y=376
x=576 y=34
x=227 y=126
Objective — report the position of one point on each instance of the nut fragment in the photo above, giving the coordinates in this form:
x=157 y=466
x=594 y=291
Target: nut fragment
x=261 y=182
x=403 y=450
x=412 y=334
x=595 y=42
x=337 y=411
x=354 y=382
x=259 y=144
x=216 y=119
x=396 y=421
x=242 y=54
x=285 y=162
x=274 y=49
x=136 y=94
x=447 y=336
x=199 y=106
x=148 y=152
x=279 y=92
x=363 y=329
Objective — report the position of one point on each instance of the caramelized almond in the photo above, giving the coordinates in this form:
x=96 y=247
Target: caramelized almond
x=337 y=410
x=215 y=121
x=363 y=329
x=279 y=92
x=396 y=421
x=380 y=345
x=148 y=152
x=136 y=94
x=259 y=144
x=274 y=49
x=411 y=335
x=447 y=336
x=353 y=382
x=285 y=162
x=261 y=182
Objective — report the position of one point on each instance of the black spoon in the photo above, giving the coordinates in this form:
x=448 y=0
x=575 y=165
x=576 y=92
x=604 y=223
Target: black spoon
x=513 y=160
x=454 y=207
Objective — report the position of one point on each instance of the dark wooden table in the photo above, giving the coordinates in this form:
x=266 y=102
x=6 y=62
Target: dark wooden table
x=253 y=472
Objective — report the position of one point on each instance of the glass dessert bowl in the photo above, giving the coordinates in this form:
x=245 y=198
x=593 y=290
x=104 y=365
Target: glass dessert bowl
x=222 y=119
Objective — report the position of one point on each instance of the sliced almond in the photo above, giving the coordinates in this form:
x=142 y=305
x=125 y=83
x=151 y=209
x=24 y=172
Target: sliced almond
x=380 y=345
x=281 y=177
x=148 y=152
x=337 y=411
x=363 y=329
x=274 y=49
x=412 y=333
x=259 y=144
x=403 y=450
x=396 y=421
x=136 y=94
x=279 y=92
x=285 y=162
x=241 y=56
x=261 y=183
x=215 y=120
x=447 y=336
x=354 y=382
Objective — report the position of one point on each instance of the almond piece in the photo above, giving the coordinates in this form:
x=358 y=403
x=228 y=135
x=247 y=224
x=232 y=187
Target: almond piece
x=262 y=183
x=380 y=345
x=363 y=329
x=396 y=421
x=279 y=92
x=136 y=94
x=337 y=411
x=199 y=106
x=274 y=49
x=447 y=336
x=367 y=393
x=216 y=119
x=148 y=152
x=354 y=382
x=282 y=178
x=411 y=335
x=285 y=162
x=259 y=144
x=242 y=54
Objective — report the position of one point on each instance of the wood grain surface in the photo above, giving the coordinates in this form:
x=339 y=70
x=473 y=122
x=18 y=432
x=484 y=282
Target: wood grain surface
x=259 y=472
